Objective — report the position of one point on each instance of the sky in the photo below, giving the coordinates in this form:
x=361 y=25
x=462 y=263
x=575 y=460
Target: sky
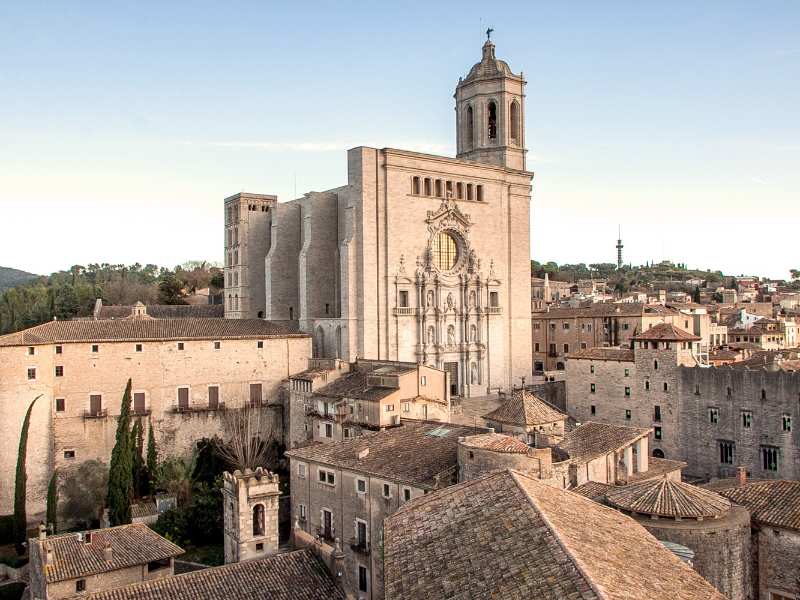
x=123 y=128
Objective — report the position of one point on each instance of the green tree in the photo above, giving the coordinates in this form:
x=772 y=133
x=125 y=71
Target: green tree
x=139 y=474
x=83 y=492
x=120 y=476
x=152 y=459
x=170 y=289
x=21 y=484
x=52 y=502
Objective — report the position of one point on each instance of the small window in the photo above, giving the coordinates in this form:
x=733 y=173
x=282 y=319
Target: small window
x=60 y=404
x=494 y=299
x=180 y=346
x=138 y=347
x=328 y=477
x=627 y=391
x=406 y=494
x=80 y=585
x=95 y=348
x=593 y=410
x=403 y=298
x=566 y=348
x=59 y=371
x=328 y=430
x=593 y=388
x=726 y=452
x=627 y=414
x=769 y=458
x=787 y=423
x=31 y=350
x=423 y=380
x=647 y=385
x=565 y=326
x=406 y=407
x=657 y=433
x=259 y=344
x=730 y=392
x=363 y=578
x=32 y=373
x=389 y=408
x=59 y=349
x=627 y=372
x=361 y=486
x=747 y=419
x=301 y=509
x=713 y=415
x=655 y=365
x=387 y=491
x=763 y=394
x=217 y=345
x=666 y=386
x=591 y=368
x=260 y=547
x=301 y=470
x=69 y=454
x=157 y=565
x=479 y=193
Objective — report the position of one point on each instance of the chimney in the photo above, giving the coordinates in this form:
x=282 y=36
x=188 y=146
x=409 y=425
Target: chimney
x=741 y=476
x=108 y=553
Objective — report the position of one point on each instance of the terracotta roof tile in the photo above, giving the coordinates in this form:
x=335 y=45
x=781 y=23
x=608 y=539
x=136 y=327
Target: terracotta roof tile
x=509 y=536
x=594 y=490
x=166 y=311
x=599 y=353
x=55 y=332
x=525 y=409
x=667 y=498
x=496 y=442
x=591 y=440
x=666 y=331
x=657 y=467
x=774 y=503
x=298 y=575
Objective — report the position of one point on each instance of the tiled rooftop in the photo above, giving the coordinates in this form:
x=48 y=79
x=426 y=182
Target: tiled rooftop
x=508 y=536
x=667 y=498
x=657 y=467
x=775 y=502
x=594 y=490
x=597 y=309
x=166 y=311
x=144 y=330
x=591 y=440
x=667 y=332
x=298 y=575
x=599 y=353
x=524 y=409
x=496 y=442
x=354 y=384
x=415 y=453
x=72 y=557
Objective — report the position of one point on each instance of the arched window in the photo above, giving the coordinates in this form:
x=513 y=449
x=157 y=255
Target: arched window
x=415 y=186
x=427 y=186
x=470 y=127
x=658 y=453
x=492 y=123
x=236 y=302
x=445 y=251
x=514 y=121
x=258 y=519
x=230 y=302
x=339 y=349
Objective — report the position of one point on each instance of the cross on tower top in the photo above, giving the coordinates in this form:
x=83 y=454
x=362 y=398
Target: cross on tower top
x=489 y=33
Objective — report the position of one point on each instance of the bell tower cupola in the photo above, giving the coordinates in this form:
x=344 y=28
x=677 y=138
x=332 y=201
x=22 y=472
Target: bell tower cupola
x=490 y=112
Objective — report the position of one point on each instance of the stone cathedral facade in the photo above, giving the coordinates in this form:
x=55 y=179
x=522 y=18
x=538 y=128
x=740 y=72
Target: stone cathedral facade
x=418 y=258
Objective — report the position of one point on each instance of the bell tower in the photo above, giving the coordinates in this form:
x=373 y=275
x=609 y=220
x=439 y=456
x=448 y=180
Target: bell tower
x=490 y=113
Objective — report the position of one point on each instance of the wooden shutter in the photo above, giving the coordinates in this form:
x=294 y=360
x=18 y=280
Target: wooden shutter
x=255 y=394
x=183 y=398
x=213 y=397
x=95 y=404
x=138 y=402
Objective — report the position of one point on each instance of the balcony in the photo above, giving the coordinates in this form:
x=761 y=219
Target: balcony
x=95 y=414
x=494 y=310
x=360 y=546
x=196 y=408
x=404 y=311
x=141 y=412
x=327 y=535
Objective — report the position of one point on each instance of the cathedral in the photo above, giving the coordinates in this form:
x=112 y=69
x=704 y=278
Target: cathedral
x=418 y=258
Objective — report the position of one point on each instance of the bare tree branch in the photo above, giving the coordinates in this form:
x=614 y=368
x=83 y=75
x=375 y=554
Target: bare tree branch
x=248 y=438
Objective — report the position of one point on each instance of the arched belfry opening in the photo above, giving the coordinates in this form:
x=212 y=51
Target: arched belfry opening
x=492 y=120
x=513 y=118
x=470 y=127
x=258 y=519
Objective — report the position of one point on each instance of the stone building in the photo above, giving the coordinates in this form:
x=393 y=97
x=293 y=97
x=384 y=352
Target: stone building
x=716 y=532
x=713 y=418
x=529 y=418
x=344 y=490
x=250 y=505
x=508 y=535
x=184 y=373
x=562 y=331
x=418 y=258
x=371 y=395
x=70 y=564
x=775 y=524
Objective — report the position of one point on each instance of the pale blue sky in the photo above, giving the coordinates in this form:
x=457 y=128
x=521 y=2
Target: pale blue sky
x=122 y=129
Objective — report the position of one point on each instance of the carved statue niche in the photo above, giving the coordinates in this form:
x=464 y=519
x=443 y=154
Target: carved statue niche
x=429 y=303
x=451 y=335
x=473 y=333
x=472 y=299
x=450 y=300
x=431 y=335
x=473 y=374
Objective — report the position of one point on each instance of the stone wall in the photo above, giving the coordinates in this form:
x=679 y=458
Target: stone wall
x=245 y=494
x=476 y=462
x=778 y=566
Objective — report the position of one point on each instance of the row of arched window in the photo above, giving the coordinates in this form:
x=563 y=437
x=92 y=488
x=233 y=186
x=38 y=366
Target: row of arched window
x=232 y=258
x=231 y=213
x=514 y=130
x=439 y=188
x=232 y=236
x=233 y=278
x=233 y=302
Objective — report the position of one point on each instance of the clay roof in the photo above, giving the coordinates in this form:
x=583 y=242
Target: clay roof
x=421 y=453
x=298 y=575
x=131 y=545
x=144 y=330
x=597 y=309
x=599 y=353
x=657 y=467
x=775 y=503
x=667 y=498
x=354 y=384
x=594 y=490
x=496 y=442
x=591 y=440
x=147 y=508
x=509 y=536
x=525 y=409
x=666 y=331
x=166 y=311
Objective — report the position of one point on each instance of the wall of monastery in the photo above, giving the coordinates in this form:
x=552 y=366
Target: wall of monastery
x=778 y=567
x=318 y=278
x=281 y=266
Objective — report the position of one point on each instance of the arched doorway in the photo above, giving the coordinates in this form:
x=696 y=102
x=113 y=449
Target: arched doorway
x=658 y=453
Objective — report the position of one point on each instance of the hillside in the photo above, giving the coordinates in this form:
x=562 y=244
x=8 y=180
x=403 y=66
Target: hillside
x=11 y=277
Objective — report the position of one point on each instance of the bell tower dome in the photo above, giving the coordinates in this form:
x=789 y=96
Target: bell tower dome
x=490 y=113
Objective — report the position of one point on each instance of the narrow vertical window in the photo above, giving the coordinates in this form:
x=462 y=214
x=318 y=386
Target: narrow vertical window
x=469 y=127
x=415 y=186
x=514 y=120
x=492 y=123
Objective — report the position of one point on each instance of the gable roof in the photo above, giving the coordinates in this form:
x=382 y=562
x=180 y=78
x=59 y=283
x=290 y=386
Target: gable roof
x=525 y=409
x=144 y=330
x=666 y=331
x=298 y=575
x=509 y=536
x=592 y=439
x=131 y=545
x=496 y=442
x=775 y=502
x=164 y=311
x=664 y=497
x=600 y=353
x=420 y=453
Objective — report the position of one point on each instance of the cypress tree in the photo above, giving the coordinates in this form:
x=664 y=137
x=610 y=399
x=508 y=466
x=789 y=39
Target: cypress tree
x=120 y=473
x=21 y=484
x=52 y=502
x=152 y=458
x=138 y=474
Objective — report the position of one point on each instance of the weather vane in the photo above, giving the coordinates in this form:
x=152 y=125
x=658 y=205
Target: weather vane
x=489 y=33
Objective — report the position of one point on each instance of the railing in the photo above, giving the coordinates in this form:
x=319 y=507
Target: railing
x=360 y=546
x=95 y=414
x=326 y=535
x=196 y=408
x=494 y=310
x=404 y=311
x=143 y=412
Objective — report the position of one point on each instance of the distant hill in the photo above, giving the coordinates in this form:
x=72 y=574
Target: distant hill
x=12 y=277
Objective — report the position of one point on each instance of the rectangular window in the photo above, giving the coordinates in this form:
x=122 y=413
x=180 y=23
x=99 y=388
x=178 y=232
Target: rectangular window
x=361 y=533
x=95 y=348
x=494 y=299
x=627 y=391
x=406 y=407
x=95 y=404
x=747 y=419
x=406 y=494
x=583 y=345
x=59 y=349
x=259 y=344
x=387 y=491
x=80 y=585
x=31 y=350
x=213 y=397
x=656 y=413
x=183 y=398
x=362 y=578
x=260 y=547
x=627 y=372
x=565 y=326
x=181 y=346
x=627 y=414
x=69 y=454
x=591 y=368
x=328 y=430
x=138 y=347
x=536 y=347
x=403 y=298
x=59 y=371
x=301 y=509
x=32 y=373
x=726 y=452
x=593 y=409
x=713 y=415
x=138 y=402
x=361 y=486
x=389 y=408
x=217 y=345
x=346 y=432
x=593 y=388
x=423 y=381
x=479 y=193
x=255 y=395
x=566 y=348
x=60 y=402
x=301 y=470
x=769 y=458
x=787 y=423
x=657 y=433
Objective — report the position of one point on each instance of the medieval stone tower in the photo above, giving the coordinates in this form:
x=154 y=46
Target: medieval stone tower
x=251 y=514
x=490 y=113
